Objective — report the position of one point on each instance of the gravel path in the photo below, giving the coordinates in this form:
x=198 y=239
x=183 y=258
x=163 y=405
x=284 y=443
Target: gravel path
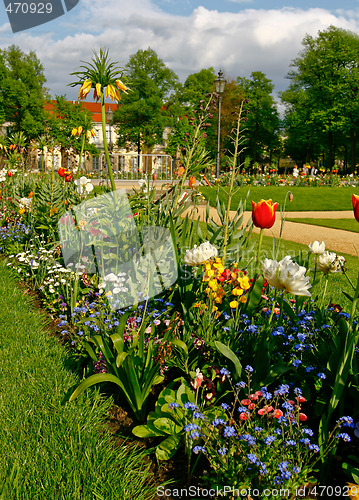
x=337 y=240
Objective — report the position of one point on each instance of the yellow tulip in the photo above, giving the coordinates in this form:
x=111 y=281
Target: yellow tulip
x=85 y=89
x=233 y=304
x=237 y=292
x=74 y=131
x=79 y=130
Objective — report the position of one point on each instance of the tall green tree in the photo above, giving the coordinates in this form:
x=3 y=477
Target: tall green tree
x=326 y=73
x=263 y=124
x=22 y=91
x=144 y=112
x=196 y=87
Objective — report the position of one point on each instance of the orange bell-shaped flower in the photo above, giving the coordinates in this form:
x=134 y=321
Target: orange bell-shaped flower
x=192 y=181
x=263 y=213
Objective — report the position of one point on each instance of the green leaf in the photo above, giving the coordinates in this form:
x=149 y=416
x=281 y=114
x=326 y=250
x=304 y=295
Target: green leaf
x=147 y=430
x=93 y=380
x=167 y=425
x=228 y=353
x=168 y=448
x=255 y=295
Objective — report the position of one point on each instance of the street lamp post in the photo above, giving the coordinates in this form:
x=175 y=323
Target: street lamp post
x=220 y=84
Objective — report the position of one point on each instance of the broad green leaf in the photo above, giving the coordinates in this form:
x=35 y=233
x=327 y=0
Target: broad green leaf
x=228 y=353
x=168 y=448
x=167 y=425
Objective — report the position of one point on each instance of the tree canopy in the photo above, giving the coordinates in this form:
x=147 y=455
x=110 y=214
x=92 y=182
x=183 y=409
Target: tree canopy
x=323 y=97
x=22 y=93
x=142 y=114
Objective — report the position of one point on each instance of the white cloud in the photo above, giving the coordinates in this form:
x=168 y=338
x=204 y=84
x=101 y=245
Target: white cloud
x=239 y=43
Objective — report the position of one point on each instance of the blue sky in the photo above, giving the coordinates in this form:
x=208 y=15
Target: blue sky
x=237 y=36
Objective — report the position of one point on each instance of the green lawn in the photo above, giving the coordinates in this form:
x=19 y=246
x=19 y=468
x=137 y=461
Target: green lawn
x=305 y=198
x=344 y=224
x=50 y=449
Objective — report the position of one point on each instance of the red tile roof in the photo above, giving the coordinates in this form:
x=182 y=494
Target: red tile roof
x=93 y=107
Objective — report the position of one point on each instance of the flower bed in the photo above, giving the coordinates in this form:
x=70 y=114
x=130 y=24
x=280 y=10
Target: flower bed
x=253 y=370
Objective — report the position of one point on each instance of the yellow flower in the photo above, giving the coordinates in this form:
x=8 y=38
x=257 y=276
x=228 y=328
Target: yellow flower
x=208 y=275
x=74 y=131
x=112 y=93
x=244 y=282
x=97 y=91
x=90 y=133
x=237 y=292
x=53 y=211
x=108 y=294
x=82 y=224
x=79 y=130
x=233 y=304
x=85 y=89
x=122 y=86
x=22 y=210
x=213 y=285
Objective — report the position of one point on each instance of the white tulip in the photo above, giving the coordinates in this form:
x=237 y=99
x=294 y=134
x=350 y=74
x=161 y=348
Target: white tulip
x=287 y=275
x=269 y=268
x=317 y=248
x=200 y=254
x=329 y=262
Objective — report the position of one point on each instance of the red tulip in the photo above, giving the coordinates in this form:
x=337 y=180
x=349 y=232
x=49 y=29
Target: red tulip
x=263 y=213
x=9 y=174
x=62 y=171
x=68 y=177
x=355 y=199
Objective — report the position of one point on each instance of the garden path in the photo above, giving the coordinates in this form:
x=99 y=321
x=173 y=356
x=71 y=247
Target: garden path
x=337 y=240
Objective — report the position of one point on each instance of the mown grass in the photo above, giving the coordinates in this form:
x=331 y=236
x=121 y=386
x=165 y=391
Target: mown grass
x=50 y=449
x=344 y=224
x=304 y=198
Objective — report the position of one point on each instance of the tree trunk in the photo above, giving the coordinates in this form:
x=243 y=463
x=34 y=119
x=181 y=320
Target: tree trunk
x=352 y=151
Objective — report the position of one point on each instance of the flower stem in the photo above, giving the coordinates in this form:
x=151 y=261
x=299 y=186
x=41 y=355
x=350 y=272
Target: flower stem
x=259 y=249
x=107 y=156
x=231 y=183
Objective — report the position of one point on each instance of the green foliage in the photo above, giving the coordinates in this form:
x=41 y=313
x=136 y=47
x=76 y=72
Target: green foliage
x=322 y=100
x=133 y=367
x=142 y=115
x=22 y=96
x=262 y=125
